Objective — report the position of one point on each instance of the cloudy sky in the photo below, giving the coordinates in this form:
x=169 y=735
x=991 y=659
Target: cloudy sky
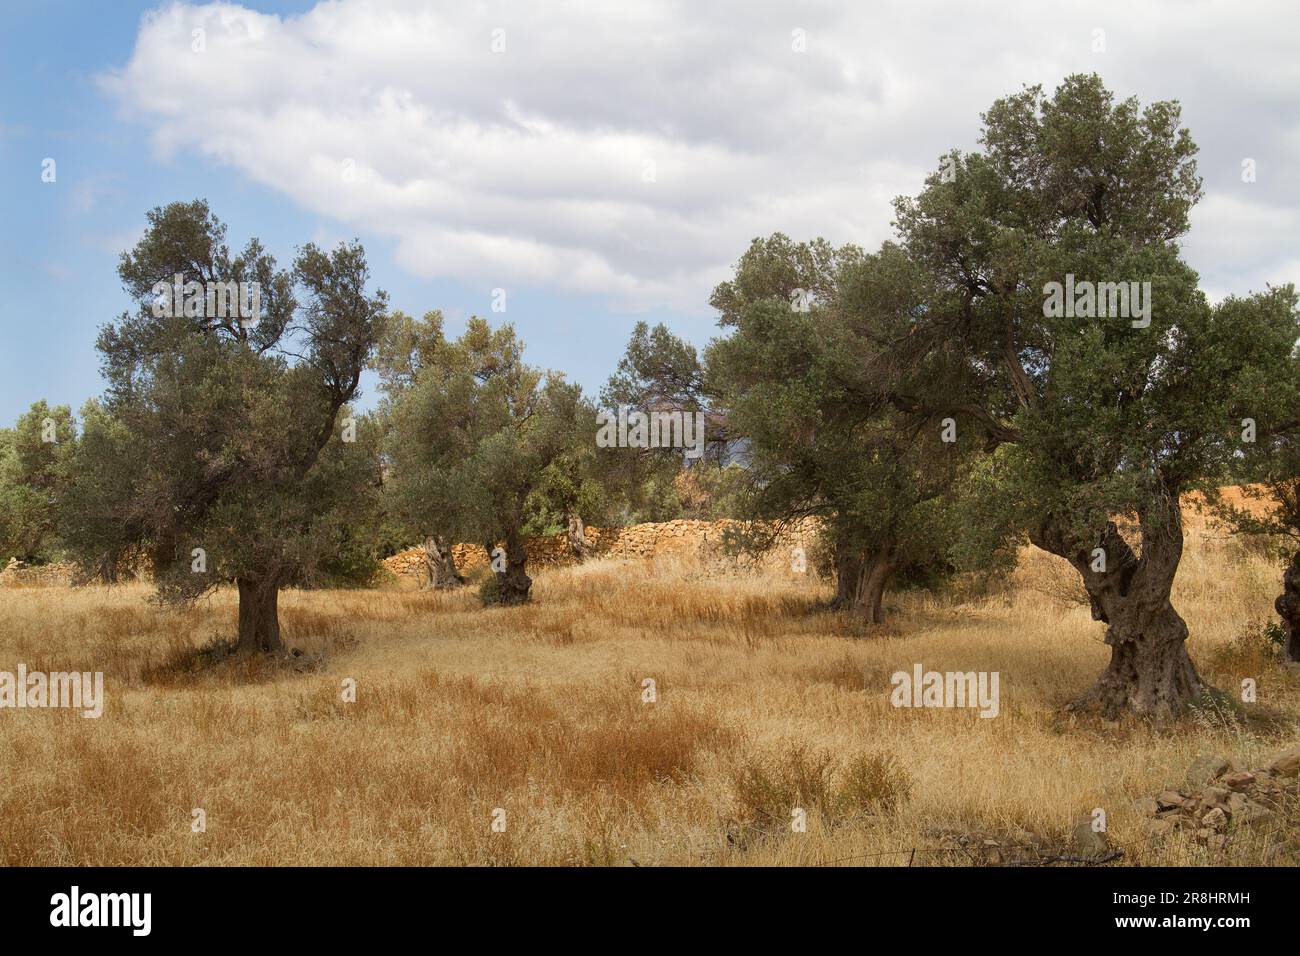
x=601 y=162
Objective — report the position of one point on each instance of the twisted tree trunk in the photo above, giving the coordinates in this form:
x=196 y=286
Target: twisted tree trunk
x=880 y=567
x=440 y=565
x=577 y=536
x=848 y=571
x=1288 y=608
x=860 y=582
x=259 y=618
x=1150 y=671
x=513 y=583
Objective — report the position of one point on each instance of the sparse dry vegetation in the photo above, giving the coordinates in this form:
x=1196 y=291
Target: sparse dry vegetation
x=764 y=702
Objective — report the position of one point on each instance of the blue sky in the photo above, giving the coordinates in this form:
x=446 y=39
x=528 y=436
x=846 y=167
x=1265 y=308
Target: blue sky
x=603 y=162
x=60 y=241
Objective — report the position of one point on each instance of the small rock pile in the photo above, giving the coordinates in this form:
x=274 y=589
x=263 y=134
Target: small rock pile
x=987 y=848
x=1219 y=798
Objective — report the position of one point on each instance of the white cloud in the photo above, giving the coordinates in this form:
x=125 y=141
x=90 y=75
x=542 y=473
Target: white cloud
x=529 y=165
x=1243 y=244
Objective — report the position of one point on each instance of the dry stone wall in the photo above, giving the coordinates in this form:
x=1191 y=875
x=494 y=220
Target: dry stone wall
x=683 y=539
x=702 y=540
x=699 y=540
x=16 y=574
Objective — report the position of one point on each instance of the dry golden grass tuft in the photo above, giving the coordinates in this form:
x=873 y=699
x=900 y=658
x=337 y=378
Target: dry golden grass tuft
x=763 y=702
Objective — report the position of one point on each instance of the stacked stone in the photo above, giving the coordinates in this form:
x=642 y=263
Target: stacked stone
x=1220 y=799
x=679 y=538
x=17 y=574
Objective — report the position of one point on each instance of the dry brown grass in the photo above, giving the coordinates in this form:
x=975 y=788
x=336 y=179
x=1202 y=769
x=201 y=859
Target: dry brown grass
x=763 y=701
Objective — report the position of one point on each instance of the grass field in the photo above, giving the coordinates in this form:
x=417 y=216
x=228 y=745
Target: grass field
x=534 y=717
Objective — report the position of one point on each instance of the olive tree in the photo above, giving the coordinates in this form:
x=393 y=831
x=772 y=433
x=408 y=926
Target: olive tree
x=33 y=472
x=474 y=434
x=421 y=457
x=1269 y=465
x=795 y=378
x=223 y=448
x=1077 y=340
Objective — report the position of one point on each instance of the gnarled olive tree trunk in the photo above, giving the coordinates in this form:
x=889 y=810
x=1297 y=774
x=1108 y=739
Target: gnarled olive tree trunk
x=440 y=565
x=1288 y=608
x=860 y=581
x=1150 y=671
x=259 y=618
x=513 y=583
x=848 y=568
x=577 y=537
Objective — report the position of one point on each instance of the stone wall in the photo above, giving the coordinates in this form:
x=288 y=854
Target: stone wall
x=17 y=575
x=702 y=540
x=699 y=540
x=683 y=539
